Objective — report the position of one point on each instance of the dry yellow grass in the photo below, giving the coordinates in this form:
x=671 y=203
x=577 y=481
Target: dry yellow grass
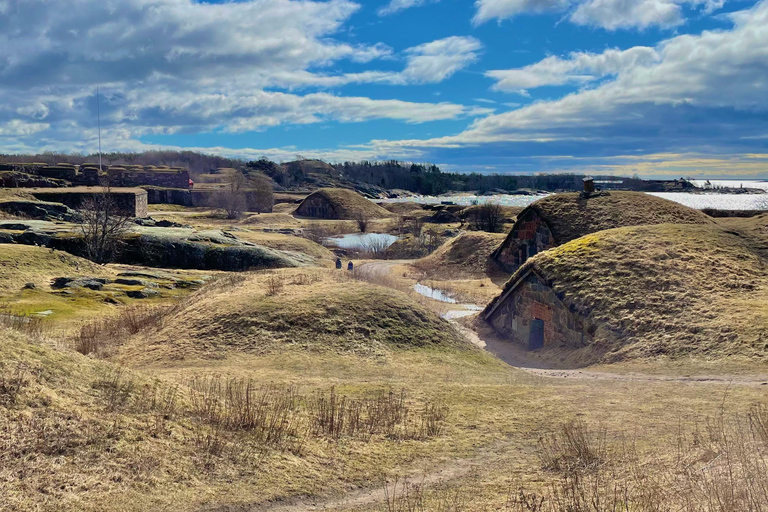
x=465 y=256
x=310 y=309
x=21 y=264
x=664 y=290
x=289 y=243
x=344 y=204
x=570 y=215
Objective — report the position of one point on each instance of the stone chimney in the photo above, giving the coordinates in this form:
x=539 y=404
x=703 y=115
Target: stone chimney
x=589 y=185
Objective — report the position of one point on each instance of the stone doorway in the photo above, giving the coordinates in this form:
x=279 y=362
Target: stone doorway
x=536 y=337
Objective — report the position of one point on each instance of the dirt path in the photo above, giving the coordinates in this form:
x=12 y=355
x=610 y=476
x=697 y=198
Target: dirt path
x=519 y=358
x=438 y=473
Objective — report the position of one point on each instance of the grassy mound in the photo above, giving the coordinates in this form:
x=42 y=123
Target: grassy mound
x=340 y=203
x=312 y=309
x=665 y=290
x=571 y=215
x=289 y=244
x=402 y=207
x=469 y=254
x=754 y=230
x=21 y=264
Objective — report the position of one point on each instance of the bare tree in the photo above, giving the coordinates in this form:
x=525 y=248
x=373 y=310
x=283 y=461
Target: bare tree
x=104 y=223
x=362 y=222
x=234 y=198
x=262 y=195
x=488 y=217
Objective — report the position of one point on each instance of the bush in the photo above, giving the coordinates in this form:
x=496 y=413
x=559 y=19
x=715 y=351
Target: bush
x=488 y=217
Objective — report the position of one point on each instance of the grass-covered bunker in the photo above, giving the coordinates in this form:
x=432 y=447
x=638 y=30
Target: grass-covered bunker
x=561 y=218
x=339 y=203
x=666 y=289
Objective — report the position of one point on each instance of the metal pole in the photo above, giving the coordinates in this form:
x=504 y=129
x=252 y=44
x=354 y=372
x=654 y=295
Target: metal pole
x=98 y=117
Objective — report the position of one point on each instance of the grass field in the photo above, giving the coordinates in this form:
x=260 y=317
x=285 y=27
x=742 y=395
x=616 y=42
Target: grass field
x=308 y=389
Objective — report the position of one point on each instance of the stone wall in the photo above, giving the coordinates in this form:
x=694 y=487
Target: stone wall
x=529 y=299
x=88 y=174
x=317 y=207
x=530 y=235
x=198 y=198
x=132 y=201
x=155 y=177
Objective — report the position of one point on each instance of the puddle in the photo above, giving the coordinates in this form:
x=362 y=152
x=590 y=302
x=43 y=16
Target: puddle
x=439 y=295
x=362 y=241
x=433 y=293
x=471 y=309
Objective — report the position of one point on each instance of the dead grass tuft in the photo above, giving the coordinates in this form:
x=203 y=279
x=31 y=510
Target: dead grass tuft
x=12 y=382
x=22 y=322
x=573 y=449
x=386 y=413
x=103 y=336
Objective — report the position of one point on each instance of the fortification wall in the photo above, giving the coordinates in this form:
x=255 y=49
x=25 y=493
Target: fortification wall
x=158 y=177
x=534 y=299
x=133 y=201
x=119 y=176
x=196 y=198
x=530 y=235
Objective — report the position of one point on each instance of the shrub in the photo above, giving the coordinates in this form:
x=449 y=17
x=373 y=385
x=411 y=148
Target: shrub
x=574 y=448
x=274 y=284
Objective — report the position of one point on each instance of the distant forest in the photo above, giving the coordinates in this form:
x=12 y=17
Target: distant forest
x=429 y=179
x=419 y=178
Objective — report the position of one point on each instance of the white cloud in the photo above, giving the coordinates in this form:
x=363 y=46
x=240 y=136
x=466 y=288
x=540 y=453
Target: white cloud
x=618 y=14
x=700 y=91
x=438 y=60
x=167 y=66
x=607 y=14
x=487 y=10
x=579 y=67
x=399 y=5
x=430 y=62
x=16 y=127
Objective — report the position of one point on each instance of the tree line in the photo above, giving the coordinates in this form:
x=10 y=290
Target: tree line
x=421 y=178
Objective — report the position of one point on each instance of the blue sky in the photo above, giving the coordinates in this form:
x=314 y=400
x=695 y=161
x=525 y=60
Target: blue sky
x=655 y=87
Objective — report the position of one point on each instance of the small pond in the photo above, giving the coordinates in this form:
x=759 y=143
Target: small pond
x=362 y=241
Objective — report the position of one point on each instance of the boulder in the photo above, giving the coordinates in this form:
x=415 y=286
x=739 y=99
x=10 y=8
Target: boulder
x=92 y=283
x=135 y=282
x=40 y=210
x=144 y=293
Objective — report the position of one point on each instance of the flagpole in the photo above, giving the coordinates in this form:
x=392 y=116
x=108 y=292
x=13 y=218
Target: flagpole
x=98 y=117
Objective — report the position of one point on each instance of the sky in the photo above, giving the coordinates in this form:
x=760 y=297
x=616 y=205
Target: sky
x=659 y=88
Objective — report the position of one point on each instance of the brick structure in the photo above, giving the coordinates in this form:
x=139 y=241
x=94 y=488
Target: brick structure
x=318 y=207
x=529 y=303
x=529 y=236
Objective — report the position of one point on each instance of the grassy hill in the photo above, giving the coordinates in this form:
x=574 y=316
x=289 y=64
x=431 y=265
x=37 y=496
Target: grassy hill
x=343 y=203
x=571 y=215
x=21 y=264
x=467 y=255
x=663 y=290
x=311 y=309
